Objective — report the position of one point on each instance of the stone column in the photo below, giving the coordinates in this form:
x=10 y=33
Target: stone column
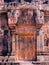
x=13 y=44
x=17 y=50
x=42 y=39
x=9 y=43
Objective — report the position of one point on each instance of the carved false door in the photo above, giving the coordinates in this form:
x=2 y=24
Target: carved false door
x=26 y=45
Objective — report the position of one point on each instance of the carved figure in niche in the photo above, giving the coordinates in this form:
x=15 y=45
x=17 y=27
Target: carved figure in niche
x=46 y=40
x=27 y=17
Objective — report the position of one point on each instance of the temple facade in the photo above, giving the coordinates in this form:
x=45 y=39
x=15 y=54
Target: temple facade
x=24 y=30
